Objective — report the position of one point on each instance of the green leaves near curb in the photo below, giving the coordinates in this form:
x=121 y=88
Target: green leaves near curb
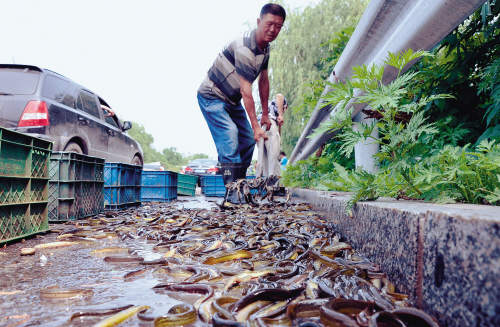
x=415 y=160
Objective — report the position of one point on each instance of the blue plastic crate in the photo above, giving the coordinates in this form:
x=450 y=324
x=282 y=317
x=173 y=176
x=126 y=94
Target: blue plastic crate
x=120 y=174
x=122 y=185
x=159 y=186
x=121 y=194
x=213 y=186
x=115 y=207
x=254 y=191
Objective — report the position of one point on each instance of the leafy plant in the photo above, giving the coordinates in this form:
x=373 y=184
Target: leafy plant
x=457 y=174
x=461 y=66
x=400 y=148
x=313 y=172
x=415 y=161
x=490 y=85
x=302 y=174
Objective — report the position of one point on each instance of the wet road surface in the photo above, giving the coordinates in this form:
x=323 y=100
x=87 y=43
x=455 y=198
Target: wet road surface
x=285 y=252
x=22 y=278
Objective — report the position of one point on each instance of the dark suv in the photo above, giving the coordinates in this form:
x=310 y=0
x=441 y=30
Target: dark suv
x=50 y=106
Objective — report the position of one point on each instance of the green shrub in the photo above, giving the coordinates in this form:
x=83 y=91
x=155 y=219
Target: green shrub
x=413 y=160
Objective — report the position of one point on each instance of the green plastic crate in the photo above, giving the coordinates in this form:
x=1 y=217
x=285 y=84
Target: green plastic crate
x=186 y=184
x=71 y=200
x=76 y=187
x=24 y=178
x=71 y=166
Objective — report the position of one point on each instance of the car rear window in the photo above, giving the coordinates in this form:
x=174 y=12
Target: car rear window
x=18 y=81
x=203 y=162
x=55 y=88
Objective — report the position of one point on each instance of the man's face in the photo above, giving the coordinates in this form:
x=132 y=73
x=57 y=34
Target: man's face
x=268 y=27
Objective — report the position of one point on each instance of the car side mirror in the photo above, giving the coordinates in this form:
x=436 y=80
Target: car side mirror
x=126 y=125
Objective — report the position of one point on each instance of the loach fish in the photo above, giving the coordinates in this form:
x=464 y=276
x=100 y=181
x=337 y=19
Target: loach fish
x=103 y=312
x=124 y=259
x=247 y=276
x=340 y=312
x=260 y=265
x=178 y=315
x=190 y=288
x=136 y=273
x=227 y=256
x=58 y=293
x=270 y=294
x=120 y=316
x=54 y=245
x=219 y=306
x=110 y=249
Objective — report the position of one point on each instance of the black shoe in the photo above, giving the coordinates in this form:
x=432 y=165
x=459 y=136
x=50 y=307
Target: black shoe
x=231 y=172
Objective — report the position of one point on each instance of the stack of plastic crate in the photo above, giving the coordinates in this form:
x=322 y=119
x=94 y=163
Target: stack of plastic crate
x=159 y=186
x=122 y=185
x=24 y=178
x=76 y=187
x=186 y=184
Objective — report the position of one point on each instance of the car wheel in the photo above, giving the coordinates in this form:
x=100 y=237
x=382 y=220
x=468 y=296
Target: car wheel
x=136 y=161
x=73 y=147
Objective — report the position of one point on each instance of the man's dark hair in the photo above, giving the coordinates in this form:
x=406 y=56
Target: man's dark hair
x=273 y=9
x=283 y=153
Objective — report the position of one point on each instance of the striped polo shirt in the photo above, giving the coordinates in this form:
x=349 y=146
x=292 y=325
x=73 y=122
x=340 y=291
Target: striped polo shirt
x=242 y=57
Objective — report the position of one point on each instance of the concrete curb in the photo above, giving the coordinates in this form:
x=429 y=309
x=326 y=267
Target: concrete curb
x=445 y=257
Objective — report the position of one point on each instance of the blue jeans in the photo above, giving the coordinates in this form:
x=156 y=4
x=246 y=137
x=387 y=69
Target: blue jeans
x=231 y=131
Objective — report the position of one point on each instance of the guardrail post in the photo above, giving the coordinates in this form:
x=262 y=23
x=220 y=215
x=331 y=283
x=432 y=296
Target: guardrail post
x=364 y=151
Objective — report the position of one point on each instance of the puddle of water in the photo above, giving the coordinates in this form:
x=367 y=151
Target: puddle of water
x=197 y=202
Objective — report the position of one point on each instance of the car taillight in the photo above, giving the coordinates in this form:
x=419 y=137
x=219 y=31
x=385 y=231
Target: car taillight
x=188 y=169
x=213 y=170
x=35 y=114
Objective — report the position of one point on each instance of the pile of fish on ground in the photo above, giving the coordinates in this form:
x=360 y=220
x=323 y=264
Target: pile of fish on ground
x=271 y=265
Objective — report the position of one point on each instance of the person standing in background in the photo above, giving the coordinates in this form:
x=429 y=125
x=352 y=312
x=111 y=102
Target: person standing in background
x=272 y=146
x=283 y=160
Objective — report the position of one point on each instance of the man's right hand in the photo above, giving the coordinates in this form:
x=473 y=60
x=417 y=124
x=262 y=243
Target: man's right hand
x=258 y=132
x=280 y=120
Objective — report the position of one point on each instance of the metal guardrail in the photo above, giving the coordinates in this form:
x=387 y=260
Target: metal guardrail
x=386 y=26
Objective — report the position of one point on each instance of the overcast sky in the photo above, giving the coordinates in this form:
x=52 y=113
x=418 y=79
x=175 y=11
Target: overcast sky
x=145 y=58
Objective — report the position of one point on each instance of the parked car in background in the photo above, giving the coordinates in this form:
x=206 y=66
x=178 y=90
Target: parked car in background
x=153 y=166
x=203 y=167
x=50 y=106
